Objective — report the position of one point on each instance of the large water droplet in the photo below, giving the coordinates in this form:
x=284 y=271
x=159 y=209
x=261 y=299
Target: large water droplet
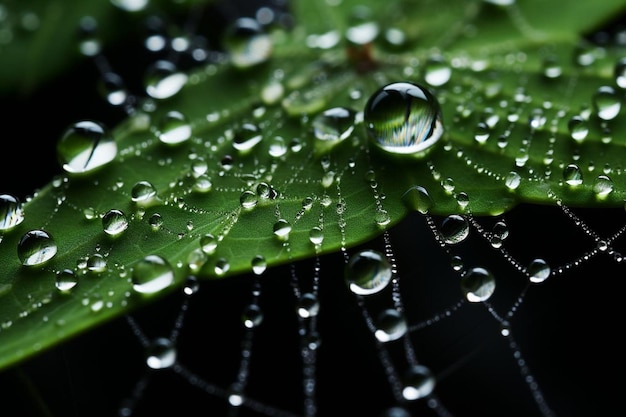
x=65 y=280
x=174 y=128
x=11 y=212
x=36 y=247
x=403 y=118
x=478 y=284
x=247 y=43
x=152 y=274
x=573 y=175
x=367 y=272
x=85 y=146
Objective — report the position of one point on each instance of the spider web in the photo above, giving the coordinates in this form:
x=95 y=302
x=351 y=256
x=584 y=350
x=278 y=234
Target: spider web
x=531 y=349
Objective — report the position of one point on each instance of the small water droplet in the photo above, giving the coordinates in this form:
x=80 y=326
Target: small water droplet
x=538 y=270
x=114 y=222
x=130 y=5
x=246 y=137
x=248 y=199
x=551 y=67
x=259 y=264
x=96 y=263
x=247 y=43
x=418 y=382
x=113 y=89
x=208 y=243
x=316 y=235
x=85 y=146
x=221 y=266
x=174 y=128
x=602 y=186
x=192 y=285
x=454 y=229
x=512 y=180
x=161 y=353
x=36 y=247
x=163 y=80
x=332 y=126
x=390 y=325
x=252 y=316
x=417 y=198
x=282 y=228
x=308 y=305
x=155 y=221
x=499 y=233
x=478 y=284
x=403 y=118
x=143 y=193
x=11 y=212
x=65 y=280
x=367 y=272
x=573 y=175
x=607 y=103
x=437 y=71
x=152 y=274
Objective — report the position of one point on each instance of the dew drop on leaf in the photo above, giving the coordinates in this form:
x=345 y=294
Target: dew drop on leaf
x=248 y=199
x=152 y=274
x=602 y=186
x=143 y=193
x=437 y=71
x=403 y=118
x=163 y=79
x=208 y=243
x=174 y=128
x=367 y=272
x=114 y=222
x=96 y=263
x=281 y=229
x=478 y=284
x=65 y=280
x=418 y=382
x=247 y=43
x=390 y=325
x=11 y=212
x=512 y=180
x=606 y=103
x=246 y=137
x=573 y=175
x=155 y=221
x=160 y=353
x=333 y=125
x=316 y=235
x=85 y=146
x=259 y=264
x=36 y=247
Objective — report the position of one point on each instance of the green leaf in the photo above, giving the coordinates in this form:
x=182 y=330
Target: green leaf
x=516 y=81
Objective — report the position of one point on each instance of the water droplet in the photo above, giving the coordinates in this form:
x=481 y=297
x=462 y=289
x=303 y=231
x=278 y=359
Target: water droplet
x=208 y=243
x=606 y=103
x=160 y=353
x=247 y=43
x=130 y=5
x=114 y=222
x=333 y=126
x=482 y=132
x=551 y=67
x=174 y=128
x=96 y=263
x=418 y=382
x=573 y=175
x=619 y=72
x=221 y=266
x=248 y=199
x=163 y=80
x=499 y=233
x=602 y=186
x=192 y=285
x=11 y=212
x=512 y=180
x=538 y=270
x=478 y=284
x=152 y=274
x=246 y=137
x=417 y=198
x=277 y=147
x=454 y=229
x=113 y=89
x=259 y=264
x=367 y=272
x=282 y=228
x=316 y=235
x=155 y=221
x=85 y=146
x=308 y=305
x=403 y=118
x=36 y=247
x=143 y=193
x=252 y=316
x=65 y=280
x=438 y=71
x=390 y=325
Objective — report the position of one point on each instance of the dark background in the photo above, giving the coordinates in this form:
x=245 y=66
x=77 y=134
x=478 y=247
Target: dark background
x=567 y=329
